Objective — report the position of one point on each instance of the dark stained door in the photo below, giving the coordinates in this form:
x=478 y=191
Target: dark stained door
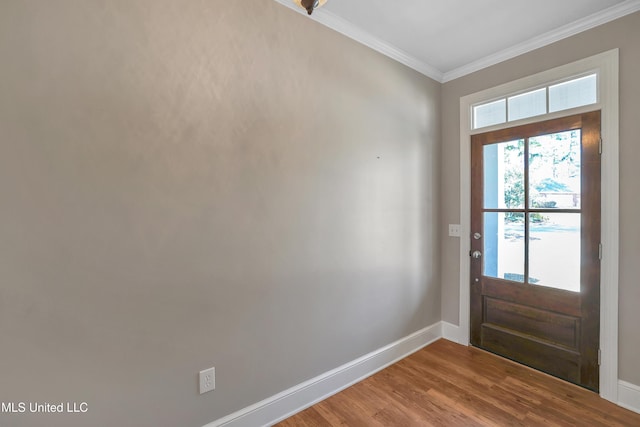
x=535 y=244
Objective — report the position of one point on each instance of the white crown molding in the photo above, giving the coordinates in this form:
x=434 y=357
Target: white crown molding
x=333 y=21
x=614 y=12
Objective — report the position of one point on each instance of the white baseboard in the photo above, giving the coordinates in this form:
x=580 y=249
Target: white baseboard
x=451 y=332
x=629 y=396
x=283 y=405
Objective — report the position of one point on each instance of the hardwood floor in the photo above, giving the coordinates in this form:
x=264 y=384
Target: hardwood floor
x=446 y=384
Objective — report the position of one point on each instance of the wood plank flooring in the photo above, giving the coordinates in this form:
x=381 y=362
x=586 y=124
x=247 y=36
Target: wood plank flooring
x=446 y=384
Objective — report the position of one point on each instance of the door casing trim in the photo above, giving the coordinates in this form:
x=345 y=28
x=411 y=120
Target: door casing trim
x=606 y=65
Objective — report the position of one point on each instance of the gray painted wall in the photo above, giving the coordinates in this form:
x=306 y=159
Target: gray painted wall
x=187 y=184
x=623 y=34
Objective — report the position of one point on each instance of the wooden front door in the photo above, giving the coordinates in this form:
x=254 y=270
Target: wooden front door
x=535 y=244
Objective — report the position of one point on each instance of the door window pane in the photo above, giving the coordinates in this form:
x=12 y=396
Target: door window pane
x=489 y=114
x=504 y=175
x=554 y=250
x=503 y=253
x=554 y=170
x=574 y=93
x=528 y=104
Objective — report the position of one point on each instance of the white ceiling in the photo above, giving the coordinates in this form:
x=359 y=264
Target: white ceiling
x=448 y=39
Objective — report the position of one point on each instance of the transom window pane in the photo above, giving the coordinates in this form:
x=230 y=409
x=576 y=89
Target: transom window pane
x=489 y=114
x=528 y=104
x=574 y=93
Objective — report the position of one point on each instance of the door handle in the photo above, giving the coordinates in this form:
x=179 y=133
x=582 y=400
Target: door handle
x=476 y=254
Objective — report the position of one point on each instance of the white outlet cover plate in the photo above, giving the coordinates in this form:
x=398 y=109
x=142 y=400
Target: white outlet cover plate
x=207 y=380
x=454 y=230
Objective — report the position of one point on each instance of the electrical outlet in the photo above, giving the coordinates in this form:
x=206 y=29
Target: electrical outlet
x=454 y=230
x=207 y=380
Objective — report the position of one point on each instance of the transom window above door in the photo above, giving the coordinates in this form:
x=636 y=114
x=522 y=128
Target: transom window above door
x=565 y=95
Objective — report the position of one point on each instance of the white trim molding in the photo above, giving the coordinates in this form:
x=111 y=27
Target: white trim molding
x=451 y=332
x=336 y=23
x=333 y=21
x=629 y=396
x=606 y=65
x=282 y=405
x=584 y=24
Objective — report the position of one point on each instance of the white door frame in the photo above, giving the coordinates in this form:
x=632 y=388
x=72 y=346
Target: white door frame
x=606 y=65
